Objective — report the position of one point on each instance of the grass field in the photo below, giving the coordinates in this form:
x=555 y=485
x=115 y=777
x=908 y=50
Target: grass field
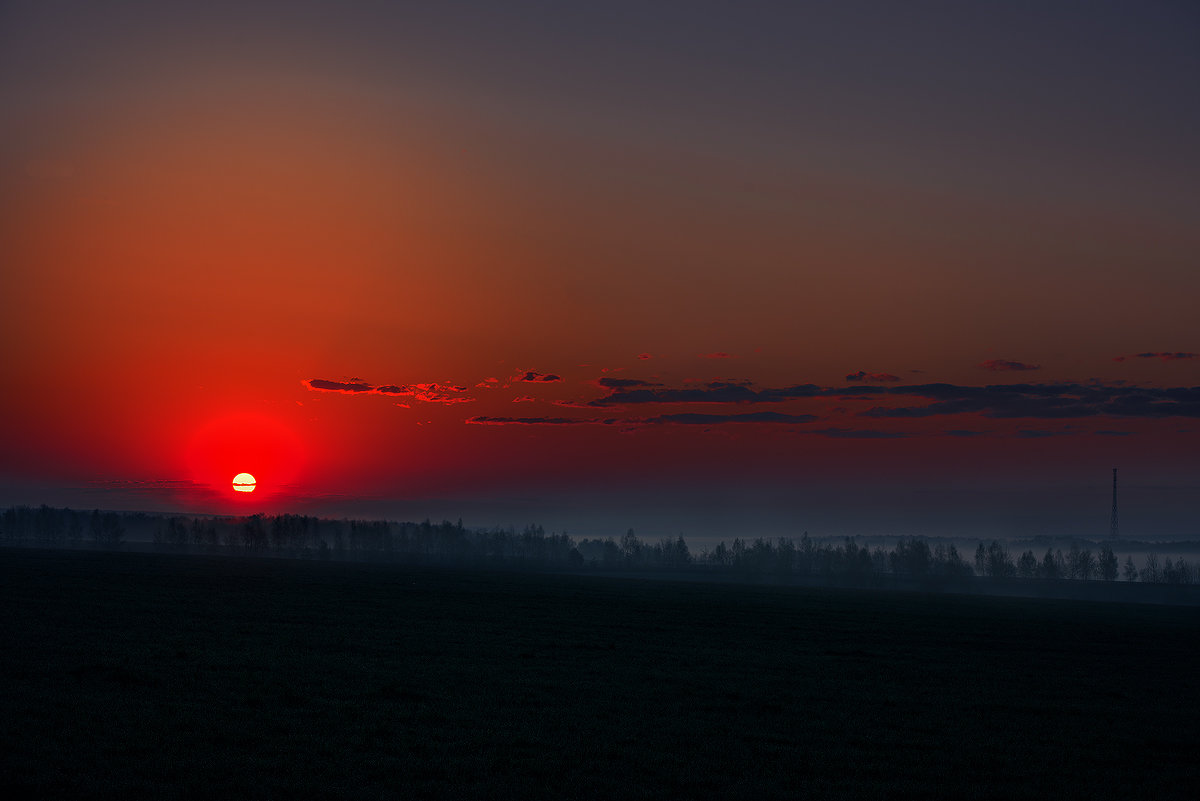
x=150 y=676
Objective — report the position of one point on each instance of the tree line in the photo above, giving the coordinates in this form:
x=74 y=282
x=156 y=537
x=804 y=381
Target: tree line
x=304 y=536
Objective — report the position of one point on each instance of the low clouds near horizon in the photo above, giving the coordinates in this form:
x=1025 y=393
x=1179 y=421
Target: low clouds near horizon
x=870 y=395
x=1006 y=365
x=534 y=377
x=432 y=392
x=1164 y=356
x=863 y=375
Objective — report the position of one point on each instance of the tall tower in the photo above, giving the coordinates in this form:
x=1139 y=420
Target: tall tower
x=1112 y=526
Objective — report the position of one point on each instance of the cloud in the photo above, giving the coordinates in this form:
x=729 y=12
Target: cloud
x=859 y=433
x=432 y=392
x=535 y=421
x=1033 y=401
x=147 y=485
x=720 y=354
x=863 y=375
x=1037 y=434
x=717 y=419
x=571 y=404
x=963 y=432
x=534 y=377
x=441 y=397
x=1165 y=356
x=1113 y=433
x=712 y=392
x=1004 y=365
x=660 y=420
x=1046 y=401
x=435 y=387
x=395 y=389
x=716 y=392
x=624 y=383
x=351 y=387
x=644 y=356
x=1050 y=400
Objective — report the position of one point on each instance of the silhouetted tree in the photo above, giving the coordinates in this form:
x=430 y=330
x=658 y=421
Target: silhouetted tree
x=1107 y=563
x=1080 y=562
x=74 y=530
x=605 y=553
x=1151 y=573
x=1130 y=570
x=947 y=562
x=612 y=553
x=785 y=557
x=759 y=558
x=631 y=548
x=1051 y=567
x=880 y=560
x=805 y=556
x=1176 y=571
x=683 y=556
x=48 y=527
x=997 y=561
x=177 y=532
x=254 y=534
x=911 y=557
x=10 y=525
x=1027 y=565
x=106 y=529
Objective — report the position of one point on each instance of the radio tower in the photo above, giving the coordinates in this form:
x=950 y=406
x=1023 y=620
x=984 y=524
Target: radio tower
x=1112 y=526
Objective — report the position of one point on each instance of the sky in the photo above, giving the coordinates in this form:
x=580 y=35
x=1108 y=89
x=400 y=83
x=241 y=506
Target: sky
x=852 y=268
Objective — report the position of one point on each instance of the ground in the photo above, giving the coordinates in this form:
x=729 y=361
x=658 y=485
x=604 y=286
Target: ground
x=140 y=675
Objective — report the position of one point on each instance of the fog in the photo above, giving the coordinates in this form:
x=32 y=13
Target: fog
x=1116 y=569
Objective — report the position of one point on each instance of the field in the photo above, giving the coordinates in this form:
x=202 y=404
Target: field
x=140 y=675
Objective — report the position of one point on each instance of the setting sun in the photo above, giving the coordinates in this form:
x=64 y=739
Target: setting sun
x=244 y=482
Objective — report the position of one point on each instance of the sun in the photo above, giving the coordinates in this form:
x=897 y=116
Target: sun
x=244 y=482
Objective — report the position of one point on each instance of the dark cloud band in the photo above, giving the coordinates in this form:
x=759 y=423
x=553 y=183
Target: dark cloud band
x=432 y=392
x=1047 y=401
x=534 y=377
x=1161 y=355
x=1025 y=400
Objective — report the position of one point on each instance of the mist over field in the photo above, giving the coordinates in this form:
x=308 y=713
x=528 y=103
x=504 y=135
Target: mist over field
x=1113 y=569
x=705 y=515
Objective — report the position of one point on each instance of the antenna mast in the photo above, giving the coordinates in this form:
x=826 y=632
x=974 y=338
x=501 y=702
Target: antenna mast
x=1112 y=526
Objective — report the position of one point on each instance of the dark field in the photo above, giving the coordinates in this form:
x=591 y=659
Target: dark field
x=138 y=675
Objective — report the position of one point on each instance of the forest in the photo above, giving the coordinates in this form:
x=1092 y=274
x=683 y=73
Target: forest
x=915 y=559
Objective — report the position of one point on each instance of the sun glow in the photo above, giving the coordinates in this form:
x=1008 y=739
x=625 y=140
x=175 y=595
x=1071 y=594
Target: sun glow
x=227 y=445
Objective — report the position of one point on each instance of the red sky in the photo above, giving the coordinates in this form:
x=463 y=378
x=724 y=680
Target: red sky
x=213 y=218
